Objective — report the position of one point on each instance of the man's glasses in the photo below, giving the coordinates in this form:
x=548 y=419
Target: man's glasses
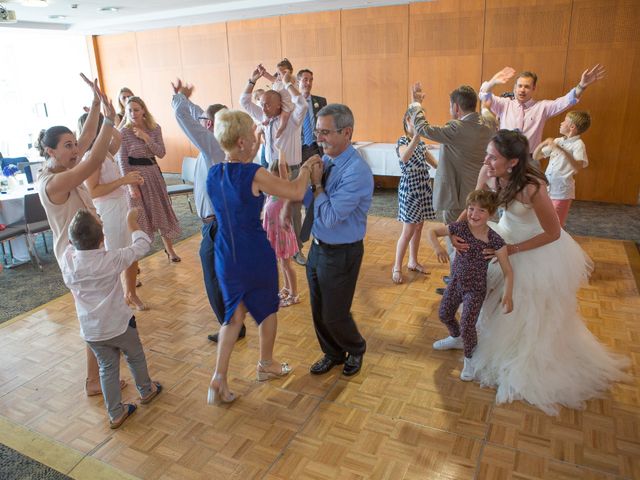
x=325 y=132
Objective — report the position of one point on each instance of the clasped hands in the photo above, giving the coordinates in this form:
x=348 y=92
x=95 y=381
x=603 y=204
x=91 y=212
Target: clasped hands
x=316 y=167
x=260 y=71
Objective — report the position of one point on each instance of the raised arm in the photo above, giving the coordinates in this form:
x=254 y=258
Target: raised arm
x=61 y=184
x=300 y=104
x=590 y=76
x=90 y=128
x=266 y=74
x=537 y=153
x=246 y=102
x=422 y=127
x=500 y=78
x=406 y=151
x=116 y=141
x=187 y=114
x=576 y=161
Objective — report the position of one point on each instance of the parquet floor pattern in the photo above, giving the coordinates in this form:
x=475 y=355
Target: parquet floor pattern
x=405 y=416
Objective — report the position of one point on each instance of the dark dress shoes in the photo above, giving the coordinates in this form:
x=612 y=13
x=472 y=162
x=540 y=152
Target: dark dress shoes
x=324 y=365
x=352 y=365
x=214 y=336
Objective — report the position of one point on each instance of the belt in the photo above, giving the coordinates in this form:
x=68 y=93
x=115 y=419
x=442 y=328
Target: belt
x=142 y=161
x=335 y=245
x=209 y=219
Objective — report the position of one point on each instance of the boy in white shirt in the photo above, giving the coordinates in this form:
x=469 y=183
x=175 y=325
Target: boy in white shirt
x=568 y=156
x=106 y=322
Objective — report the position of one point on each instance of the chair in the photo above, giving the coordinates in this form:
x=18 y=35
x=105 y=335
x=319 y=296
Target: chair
x=35 y=219
x=12 y=161
x=188 y=175
x=31 y=170
x=9 y=233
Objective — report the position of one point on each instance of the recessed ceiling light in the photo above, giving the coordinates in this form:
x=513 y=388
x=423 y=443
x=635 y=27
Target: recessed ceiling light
x=57 y=17
x=108 y=9
x=35 y=3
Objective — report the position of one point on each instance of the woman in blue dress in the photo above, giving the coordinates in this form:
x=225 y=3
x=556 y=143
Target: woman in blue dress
x=245 y=262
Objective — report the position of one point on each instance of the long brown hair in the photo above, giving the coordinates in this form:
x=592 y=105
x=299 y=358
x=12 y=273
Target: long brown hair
x=513 y=144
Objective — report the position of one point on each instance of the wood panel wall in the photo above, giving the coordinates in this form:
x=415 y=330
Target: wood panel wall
x=445 y=50
x=367 y=58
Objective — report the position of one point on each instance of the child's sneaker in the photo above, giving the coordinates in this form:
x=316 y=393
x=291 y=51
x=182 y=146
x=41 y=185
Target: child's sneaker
x=449 y=343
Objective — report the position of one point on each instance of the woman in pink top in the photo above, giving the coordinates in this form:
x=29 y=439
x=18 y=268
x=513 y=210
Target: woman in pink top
x=141 y=144
x=61 y=188
x=107 y=189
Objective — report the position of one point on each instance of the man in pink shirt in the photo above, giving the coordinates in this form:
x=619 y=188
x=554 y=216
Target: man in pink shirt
x=523 y=112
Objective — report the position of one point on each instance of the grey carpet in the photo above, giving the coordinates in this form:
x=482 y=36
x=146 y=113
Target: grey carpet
x=25 y=288
x=15 y=466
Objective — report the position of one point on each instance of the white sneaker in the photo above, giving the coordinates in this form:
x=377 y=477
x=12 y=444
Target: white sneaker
x=449 y=343
x=467 y=374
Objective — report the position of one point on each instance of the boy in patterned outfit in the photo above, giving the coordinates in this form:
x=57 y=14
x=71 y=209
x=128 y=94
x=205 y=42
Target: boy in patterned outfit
x=469 y=275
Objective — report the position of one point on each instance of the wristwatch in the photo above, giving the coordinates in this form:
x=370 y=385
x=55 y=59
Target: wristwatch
x=315 y=186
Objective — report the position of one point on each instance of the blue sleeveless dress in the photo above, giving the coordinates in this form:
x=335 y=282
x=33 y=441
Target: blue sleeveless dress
x=245 y=263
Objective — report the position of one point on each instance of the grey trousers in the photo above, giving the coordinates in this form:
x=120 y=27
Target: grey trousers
x=296 y=207
x=107 y=353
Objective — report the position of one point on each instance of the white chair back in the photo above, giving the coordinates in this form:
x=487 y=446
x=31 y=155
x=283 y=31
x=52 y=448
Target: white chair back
x=188 y=169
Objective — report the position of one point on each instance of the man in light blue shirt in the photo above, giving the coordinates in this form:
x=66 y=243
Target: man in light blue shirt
x=337 y=203
x=198 y=126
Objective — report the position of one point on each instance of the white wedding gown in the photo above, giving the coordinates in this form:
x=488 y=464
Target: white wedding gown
x=541 y=352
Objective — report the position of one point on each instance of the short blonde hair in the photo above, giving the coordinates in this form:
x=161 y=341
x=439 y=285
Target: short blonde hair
x=230 y=126
x=582 y=120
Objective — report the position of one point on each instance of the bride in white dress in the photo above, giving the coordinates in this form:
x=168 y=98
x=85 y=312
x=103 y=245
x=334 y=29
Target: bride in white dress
x=542 y=352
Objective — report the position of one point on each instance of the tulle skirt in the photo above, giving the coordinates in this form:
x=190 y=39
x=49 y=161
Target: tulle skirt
x=542 y=352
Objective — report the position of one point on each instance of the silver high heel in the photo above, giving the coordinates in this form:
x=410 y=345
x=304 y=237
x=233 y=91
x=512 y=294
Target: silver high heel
x=214 y=397
x=262 y=375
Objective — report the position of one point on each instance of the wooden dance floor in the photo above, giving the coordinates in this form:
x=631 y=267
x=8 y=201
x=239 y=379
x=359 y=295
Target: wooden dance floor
x=405 y=416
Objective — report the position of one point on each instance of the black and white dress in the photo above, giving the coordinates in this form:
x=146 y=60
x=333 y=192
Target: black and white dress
x=415 y=197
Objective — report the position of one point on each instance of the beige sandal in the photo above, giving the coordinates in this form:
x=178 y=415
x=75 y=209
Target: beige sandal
x=396 y=276
x=418 y=268
x=290 y=300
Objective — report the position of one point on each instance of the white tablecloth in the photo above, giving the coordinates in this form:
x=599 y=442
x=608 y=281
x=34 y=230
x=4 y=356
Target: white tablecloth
x=12 y=211
x=383 y=160
x=382 y=157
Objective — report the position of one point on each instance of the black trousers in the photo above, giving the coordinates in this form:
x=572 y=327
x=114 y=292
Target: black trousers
x=332 y=273
x=207 y=259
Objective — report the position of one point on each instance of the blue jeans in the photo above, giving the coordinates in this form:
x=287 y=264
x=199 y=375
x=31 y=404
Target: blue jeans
x=207 y=258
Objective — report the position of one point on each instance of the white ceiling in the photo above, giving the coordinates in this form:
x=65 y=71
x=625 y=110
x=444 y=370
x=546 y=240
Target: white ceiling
x=139 y=15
